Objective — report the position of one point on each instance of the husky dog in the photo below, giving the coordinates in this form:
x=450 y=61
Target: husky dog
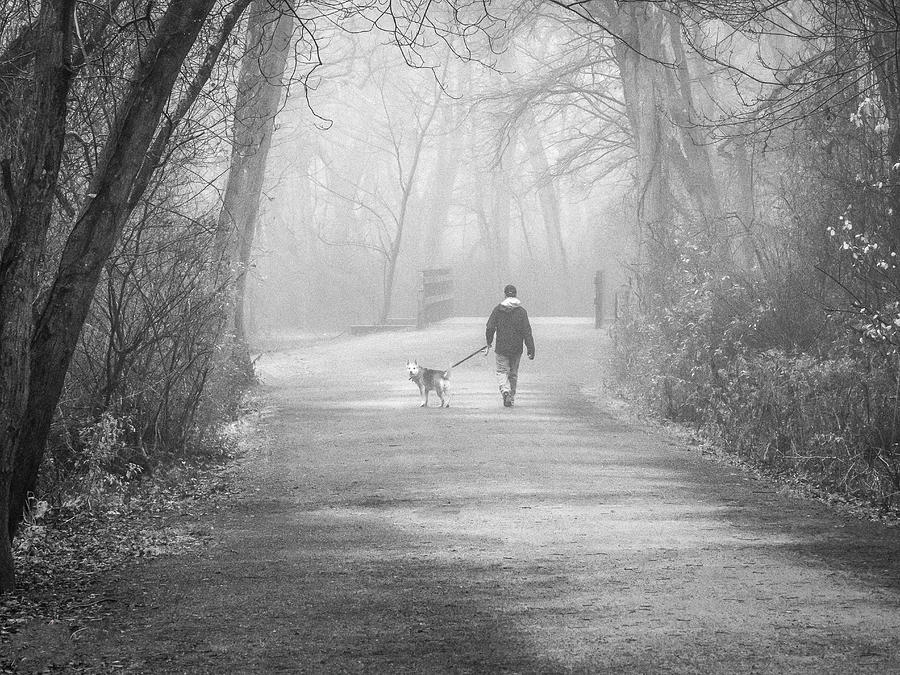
x=429 y=379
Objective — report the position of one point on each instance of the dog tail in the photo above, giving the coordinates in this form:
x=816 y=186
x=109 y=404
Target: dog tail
x=447 y=372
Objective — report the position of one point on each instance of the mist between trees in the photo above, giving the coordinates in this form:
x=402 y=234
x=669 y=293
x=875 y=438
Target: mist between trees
x=183 y=178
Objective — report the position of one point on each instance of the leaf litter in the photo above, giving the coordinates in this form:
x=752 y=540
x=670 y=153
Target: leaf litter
x=63 y=552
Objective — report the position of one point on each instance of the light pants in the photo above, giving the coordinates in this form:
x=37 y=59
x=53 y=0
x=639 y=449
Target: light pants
x=508 y=373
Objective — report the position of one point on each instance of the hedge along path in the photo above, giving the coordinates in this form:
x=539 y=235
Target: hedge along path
x=372 y=535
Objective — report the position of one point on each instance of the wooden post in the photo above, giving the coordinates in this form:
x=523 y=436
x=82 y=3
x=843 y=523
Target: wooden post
x=598 y=299
x=420 y=304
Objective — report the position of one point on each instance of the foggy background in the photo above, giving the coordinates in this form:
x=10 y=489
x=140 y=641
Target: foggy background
x=461 y=160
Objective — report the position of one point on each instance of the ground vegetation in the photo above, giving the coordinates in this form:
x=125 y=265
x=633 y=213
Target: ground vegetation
x=762 y=302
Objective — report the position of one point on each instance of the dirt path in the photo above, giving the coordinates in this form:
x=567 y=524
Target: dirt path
x=552 y=537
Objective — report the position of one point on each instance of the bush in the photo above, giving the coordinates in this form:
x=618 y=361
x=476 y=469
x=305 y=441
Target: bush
x=801 y=396
x=153 y=378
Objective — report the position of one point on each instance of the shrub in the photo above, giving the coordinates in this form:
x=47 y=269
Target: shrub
x=152 y=378
x=812 y=400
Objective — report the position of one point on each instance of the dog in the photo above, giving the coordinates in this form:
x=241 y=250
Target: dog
x=428 y=380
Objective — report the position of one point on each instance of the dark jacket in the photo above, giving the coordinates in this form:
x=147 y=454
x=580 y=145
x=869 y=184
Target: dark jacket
x=509 y=321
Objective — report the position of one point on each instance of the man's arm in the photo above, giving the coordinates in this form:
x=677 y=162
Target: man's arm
x=491 y=328
x=529 y=338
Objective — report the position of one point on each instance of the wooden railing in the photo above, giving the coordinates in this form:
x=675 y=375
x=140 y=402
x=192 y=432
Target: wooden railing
x=435 y=296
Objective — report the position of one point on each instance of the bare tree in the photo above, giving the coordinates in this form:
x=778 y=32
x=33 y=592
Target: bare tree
x=386 y=193
x=151 y=48
x=259 y=93
x=30 y=205
x=446 y=166
x=407 y=179
x=92 y=239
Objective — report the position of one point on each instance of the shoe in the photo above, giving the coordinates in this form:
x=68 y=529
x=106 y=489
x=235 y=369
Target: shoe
x=507 y=399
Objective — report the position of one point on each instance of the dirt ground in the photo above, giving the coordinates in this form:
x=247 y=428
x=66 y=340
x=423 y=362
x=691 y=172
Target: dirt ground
x=374 y=536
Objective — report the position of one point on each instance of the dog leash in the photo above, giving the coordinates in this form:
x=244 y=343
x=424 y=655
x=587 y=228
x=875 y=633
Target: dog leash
x=477 y=351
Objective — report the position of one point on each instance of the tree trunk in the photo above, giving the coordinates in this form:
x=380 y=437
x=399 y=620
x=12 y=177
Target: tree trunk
x=699 y=179
x=640 y=35
x=738 y=195
x=172 y=120
x=30 y=203
x=499 y=221
x=885 y=57
x=547 y=195
x=96 y=232
x=441 y=187
x=747 y=250
x=446 y=168
x=259 y=93
x=407 y=186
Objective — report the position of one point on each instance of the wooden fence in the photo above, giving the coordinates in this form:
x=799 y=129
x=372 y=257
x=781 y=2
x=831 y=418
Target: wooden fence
x=435 y=296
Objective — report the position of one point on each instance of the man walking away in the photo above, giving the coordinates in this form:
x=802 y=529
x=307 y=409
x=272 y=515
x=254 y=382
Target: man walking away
x=509 y=321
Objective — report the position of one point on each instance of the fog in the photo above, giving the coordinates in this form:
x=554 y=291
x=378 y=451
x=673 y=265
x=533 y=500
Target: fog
x=460 y=161
x=178 y=179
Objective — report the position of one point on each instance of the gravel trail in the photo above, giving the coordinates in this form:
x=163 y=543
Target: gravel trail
x=374 y=536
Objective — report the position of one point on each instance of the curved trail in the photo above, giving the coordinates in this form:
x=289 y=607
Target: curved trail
x=374 y=536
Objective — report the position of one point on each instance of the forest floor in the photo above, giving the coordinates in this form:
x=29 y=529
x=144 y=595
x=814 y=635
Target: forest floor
x=561 y=535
